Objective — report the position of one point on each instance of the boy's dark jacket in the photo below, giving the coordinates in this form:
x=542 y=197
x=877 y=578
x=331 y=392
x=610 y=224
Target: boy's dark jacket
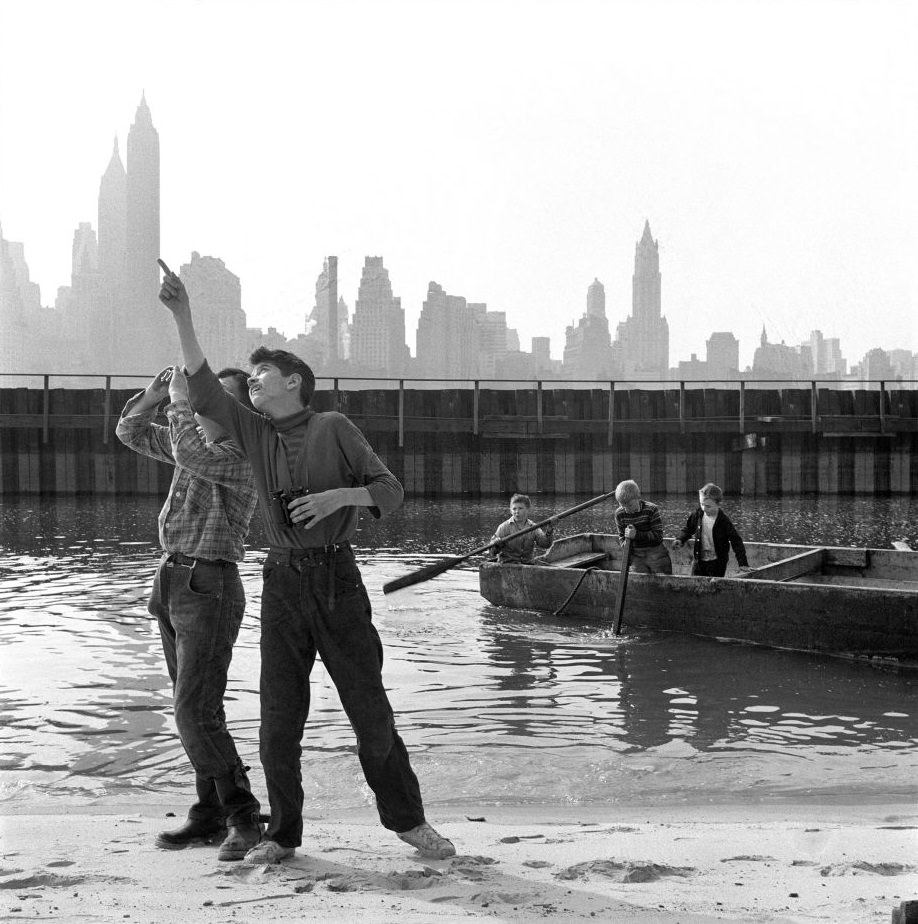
x=725 y=535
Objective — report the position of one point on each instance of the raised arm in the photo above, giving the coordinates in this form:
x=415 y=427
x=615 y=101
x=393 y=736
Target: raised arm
x=135 y=426
x=151 y=397
x=175 y=297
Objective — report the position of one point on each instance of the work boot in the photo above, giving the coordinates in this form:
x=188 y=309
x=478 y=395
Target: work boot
x=241 y=838
x=205 y=820
x=194 y=831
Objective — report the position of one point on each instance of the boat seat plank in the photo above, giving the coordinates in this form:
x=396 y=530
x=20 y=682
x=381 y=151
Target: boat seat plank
x=789 y=568
x=582 y=560
x=848 y=558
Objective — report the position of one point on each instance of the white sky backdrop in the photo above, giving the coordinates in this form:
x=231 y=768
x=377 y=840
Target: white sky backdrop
x=511 y=151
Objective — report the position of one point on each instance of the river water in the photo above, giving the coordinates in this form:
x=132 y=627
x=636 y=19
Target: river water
x=496 y=707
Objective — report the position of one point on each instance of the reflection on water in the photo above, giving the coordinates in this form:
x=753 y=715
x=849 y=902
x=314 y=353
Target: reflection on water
x=496 y=706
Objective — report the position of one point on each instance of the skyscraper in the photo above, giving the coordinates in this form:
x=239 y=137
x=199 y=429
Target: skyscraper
x=216 y=294
x=588 y=344
x=378 y=330
x=328 y=337
x=85 y=331
x=642 y=340
x=113 y=228
x=150 y=339
x=722 y=355
x=447 y=336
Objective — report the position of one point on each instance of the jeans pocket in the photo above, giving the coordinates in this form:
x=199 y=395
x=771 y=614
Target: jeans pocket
x=206 y=581
x=347 y=577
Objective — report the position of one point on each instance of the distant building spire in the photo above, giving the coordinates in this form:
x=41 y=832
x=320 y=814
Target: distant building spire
x=115 y=163
x=143 y=116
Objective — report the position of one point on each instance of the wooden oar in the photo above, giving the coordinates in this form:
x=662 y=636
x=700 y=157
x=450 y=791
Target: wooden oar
x=431 y=571
x=622 y=586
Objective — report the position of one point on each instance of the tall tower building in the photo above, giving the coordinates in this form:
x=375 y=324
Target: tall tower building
x=722 y=357
x=447 y=336
x=153 y=340
x=216 y=294
x=588 y=344
x=329 y=335
x=827 y=357
x=642 y=340
x=378 y=330
x=113 y=229
x=596 y=300
x=494 y=340
x=85 y=324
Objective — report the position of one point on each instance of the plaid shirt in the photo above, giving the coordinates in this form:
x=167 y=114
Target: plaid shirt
x=212 y=496
x=648 y=522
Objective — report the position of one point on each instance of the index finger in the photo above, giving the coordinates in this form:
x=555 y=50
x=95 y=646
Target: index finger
x=165 y=268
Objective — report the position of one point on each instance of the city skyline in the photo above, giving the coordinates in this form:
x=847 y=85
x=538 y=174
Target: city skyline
x=789 y=208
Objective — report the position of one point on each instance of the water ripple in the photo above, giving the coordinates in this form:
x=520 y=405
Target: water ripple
x=495 y=706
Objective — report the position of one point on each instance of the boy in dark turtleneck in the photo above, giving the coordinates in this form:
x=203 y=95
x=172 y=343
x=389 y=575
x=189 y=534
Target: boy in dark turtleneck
x=312 y=471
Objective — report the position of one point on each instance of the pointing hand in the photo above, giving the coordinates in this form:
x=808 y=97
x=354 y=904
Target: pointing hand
x=173 y=293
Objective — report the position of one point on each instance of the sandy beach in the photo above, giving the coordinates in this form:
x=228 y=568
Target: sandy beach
x=711 y=863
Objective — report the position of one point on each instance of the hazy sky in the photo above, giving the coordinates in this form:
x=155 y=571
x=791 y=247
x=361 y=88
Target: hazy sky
x=510 y=151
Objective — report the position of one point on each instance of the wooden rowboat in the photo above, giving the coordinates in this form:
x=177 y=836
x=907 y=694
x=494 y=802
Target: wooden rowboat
x=853 y=602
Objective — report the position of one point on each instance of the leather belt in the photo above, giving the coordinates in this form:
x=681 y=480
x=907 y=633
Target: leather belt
x=319 y=553
x=177 y=558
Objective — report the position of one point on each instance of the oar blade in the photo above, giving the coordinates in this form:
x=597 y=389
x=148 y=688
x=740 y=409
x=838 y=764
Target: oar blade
x=422 y=574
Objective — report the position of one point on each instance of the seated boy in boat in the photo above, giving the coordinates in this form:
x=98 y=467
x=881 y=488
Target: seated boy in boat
x=519 y=550
x=714 y=534
x=642 y=523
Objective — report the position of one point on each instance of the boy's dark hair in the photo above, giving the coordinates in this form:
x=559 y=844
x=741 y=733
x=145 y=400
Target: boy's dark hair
x=713 y=491
x=522 y=499
x=240 y=379
x=289 y=364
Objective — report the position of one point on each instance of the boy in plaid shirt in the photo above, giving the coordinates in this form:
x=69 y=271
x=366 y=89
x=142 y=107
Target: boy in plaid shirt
x=197 y=597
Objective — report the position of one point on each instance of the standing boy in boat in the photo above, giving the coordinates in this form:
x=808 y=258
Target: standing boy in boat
x=713 y=533
x=520 y=550
x=642 y=523
x=197 y=597
x=313 y=471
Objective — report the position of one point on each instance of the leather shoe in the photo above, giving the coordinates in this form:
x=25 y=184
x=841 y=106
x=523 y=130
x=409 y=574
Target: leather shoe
x=240 y=839
x=194 y=831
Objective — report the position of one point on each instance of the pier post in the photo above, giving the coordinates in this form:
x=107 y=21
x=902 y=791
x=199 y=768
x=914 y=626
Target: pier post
x=401 y=413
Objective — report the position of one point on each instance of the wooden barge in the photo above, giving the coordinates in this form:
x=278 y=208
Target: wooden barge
x=852 y=602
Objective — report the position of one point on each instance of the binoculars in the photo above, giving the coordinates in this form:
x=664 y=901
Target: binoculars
x=280 y=499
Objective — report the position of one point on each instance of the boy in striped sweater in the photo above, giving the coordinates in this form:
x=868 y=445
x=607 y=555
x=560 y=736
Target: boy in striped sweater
x=641 y=522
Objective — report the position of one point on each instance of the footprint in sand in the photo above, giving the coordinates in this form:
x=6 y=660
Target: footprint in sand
x=50 y=880
x=626 y=871
x=748 y=858
x=862 y=866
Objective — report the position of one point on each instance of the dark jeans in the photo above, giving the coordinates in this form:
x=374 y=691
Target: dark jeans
x=319 y=604
x=199 y=609
x=713 y=567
